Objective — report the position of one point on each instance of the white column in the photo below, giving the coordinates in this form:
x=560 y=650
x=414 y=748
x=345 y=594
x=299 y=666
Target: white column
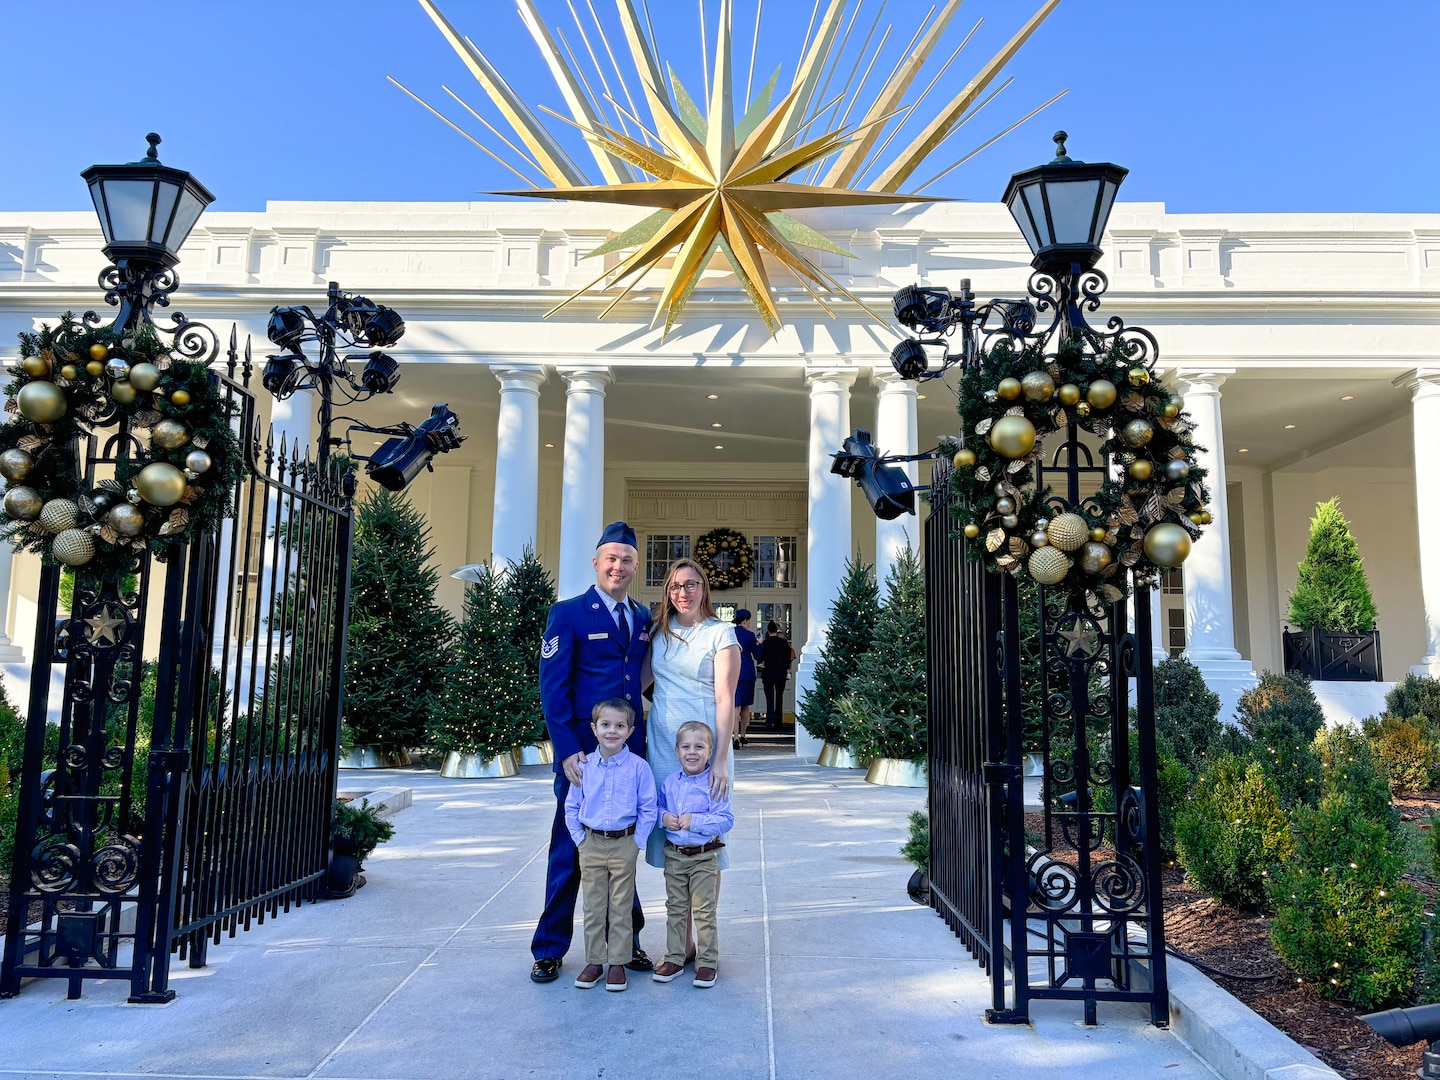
x=10 y=653
x=517 y=463
x=582 y=496
x=828 y=536
x=896 y=428
x=1209 y=599
x=1424 y=387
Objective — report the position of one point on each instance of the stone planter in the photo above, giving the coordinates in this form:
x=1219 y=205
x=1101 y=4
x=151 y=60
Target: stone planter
x=895 y=772
x=542 y=753
x=837 y=757
x=372 y=757
x=475 y=767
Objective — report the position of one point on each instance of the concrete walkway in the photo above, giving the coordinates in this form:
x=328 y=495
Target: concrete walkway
x=827 y=969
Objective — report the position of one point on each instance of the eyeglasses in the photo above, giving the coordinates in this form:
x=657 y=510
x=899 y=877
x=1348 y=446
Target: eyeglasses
x=688 y=587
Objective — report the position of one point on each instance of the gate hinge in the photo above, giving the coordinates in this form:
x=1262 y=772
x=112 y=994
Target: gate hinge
x=171 y=761
x=1000 y=772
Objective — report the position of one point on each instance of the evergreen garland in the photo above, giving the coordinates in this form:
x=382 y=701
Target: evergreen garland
x=399 y=637
x=884 y=705
x=529 y=592
x=1331 y=592
x=487 y=701
x=848 y=635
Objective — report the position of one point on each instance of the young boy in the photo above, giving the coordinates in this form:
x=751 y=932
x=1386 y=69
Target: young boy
x=694 y=821
x=610 y=814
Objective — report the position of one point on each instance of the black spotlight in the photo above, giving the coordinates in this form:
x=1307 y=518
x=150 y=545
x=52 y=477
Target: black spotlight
x=918 y=307
x=287 y=327
x=909 y=359
x=885 y=485
x=400 y=460
x=279 y=373
x=381 y=373
x=384 y=326
x=1401 y=1027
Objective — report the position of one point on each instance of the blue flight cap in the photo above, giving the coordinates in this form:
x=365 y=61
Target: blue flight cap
x=742 y=615
x=618 y=532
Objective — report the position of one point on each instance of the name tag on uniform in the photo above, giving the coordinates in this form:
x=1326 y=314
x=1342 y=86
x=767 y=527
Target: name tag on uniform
x=598 y=637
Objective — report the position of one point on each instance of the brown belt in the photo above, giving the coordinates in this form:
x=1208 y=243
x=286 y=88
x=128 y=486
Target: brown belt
x=612 y=834
x=697 y=849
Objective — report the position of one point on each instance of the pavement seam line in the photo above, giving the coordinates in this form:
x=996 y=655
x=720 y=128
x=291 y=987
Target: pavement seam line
x=765 y=922
x=420 y=966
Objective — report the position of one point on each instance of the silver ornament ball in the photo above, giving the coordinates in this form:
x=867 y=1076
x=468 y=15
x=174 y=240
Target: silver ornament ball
x=198 y=461
x=1177 y=470
x=23 y=504
x=117 y=368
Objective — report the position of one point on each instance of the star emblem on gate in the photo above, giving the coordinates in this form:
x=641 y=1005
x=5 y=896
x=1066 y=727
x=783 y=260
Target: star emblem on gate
x=101 y=629
x=1081 y=638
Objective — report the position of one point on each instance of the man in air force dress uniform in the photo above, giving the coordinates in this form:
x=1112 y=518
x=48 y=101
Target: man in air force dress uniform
x=593 y=648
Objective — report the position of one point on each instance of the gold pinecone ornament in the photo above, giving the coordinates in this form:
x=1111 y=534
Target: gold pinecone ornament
x=1068 y=531
x=57 y=515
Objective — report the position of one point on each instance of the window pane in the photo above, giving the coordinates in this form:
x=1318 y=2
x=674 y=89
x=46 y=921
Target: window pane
x=660 y=552
x=775 y=562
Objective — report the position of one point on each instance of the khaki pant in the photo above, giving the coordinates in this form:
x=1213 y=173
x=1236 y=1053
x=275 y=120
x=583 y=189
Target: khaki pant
x=607 y=881
x=692 y=886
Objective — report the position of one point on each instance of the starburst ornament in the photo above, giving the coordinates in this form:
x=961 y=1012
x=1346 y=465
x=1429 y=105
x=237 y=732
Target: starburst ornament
x=719 y=186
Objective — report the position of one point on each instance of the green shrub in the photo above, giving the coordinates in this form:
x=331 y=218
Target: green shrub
x=1232 y=832
x=1344 y=919
x=1286 y=752
x=1330 y=589
x=1186 y=711
x=1415 y=695
x=1348 y=763
x=361 y=826
x=1281 y=696
x=1405 y=748
x=917 y=848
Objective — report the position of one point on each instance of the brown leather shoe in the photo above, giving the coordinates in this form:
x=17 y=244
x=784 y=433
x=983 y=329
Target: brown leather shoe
x=615 y=981
x=704 y=977
x=666 y=971
x=591 y=976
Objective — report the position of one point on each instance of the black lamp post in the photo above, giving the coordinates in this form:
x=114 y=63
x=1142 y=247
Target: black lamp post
x=146 y=211
x=1062 y=208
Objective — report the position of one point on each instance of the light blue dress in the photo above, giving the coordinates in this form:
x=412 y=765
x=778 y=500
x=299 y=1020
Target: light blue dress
x=684 y=672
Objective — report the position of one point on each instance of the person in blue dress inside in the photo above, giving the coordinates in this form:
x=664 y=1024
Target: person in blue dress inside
x=745 y=688
x=594 y=648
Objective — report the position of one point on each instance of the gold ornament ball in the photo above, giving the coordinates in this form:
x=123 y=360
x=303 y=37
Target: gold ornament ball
x=1097 y=533
x=1038 y=386
x=971 y=531
x=42 y=402
x=1082 y=410
x=1141 y=469
x=1205 y=518
x=198 y=461
x=169 y=435
x=125 y=519
x=1009 y=389
x=1102 y=394
x=1170 y=410
x=1068 y=394
x=124 y=393
x=180 y=397
x=1197 y=518
x=144 y=377
x=95 y=368
x=962 y=458
x=57 y=515
x=1137 y=433
x=1137 y=376
x=23 y=504
x=35 y=366
x=98 y=352
x=74 y=547
x=15 y=464
x=160 y=484
x=1048 y=565
x=1068 y=531
x=1178 y=469
x=1095 y=557
x=1012 y=436
x=1167 y=545
x=117 y=368
x=1038 y=539
x=70 y=371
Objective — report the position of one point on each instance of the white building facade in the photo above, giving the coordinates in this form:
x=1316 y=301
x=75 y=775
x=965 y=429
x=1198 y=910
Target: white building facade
x=1306 y=347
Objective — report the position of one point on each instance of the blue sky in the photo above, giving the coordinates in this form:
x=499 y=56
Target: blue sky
x=1215 y=106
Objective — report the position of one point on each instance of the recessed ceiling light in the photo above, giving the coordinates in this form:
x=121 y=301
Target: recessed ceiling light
x=714 y=425
x=1348 y=397
x=549 y=446
x=718 y=446
x=1289 y=427
x=713 y=397
x=1244 y=449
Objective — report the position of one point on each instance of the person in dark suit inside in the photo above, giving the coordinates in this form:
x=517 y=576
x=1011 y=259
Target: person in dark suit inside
x=592 y=651
x=745 y=688
x=776 y=656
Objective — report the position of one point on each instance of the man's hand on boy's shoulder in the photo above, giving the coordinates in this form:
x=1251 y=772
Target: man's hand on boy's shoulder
x=573 y=766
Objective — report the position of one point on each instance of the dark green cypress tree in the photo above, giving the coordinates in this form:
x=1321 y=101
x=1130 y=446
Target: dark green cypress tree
x=399 y=637
x=884 y=705
x=1331 y=592
x=852 y=626
x=529 y=592
x=485 y=705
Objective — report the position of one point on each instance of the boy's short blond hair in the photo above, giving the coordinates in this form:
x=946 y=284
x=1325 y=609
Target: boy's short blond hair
x=614 y=704
x=691 y=726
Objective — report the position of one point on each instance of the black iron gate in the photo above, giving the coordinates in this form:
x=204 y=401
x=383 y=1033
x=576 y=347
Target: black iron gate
x=177 y=802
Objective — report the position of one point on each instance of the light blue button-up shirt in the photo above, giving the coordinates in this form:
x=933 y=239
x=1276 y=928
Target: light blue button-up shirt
x=710 y=817
x=613 y=794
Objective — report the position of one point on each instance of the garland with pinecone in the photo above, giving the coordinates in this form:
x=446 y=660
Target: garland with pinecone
x=177 y=460
x=741 y=562
x=1142 y=518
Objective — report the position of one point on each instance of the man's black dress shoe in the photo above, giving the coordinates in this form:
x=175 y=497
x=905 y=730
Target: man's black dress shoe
x=546 y=969
x=639 y=962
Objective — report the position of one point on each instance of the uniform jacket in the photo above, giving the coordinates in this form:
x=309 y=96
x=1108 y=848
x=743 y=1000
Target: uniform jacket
x=582 y=663
x=749 y=653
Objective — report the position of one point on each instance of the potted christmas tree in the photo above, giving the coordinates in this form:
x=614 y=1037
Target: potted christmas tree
x=852 y=626
x=483 y=711
x=529 y=592
x=884 y=712
x=1331 y=608
x=399 y=636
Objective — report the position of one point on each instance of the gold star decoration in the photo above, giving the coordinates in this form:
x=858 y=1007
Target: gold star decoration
x=1082 y=639
x=103 y=626
x=719 y=186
